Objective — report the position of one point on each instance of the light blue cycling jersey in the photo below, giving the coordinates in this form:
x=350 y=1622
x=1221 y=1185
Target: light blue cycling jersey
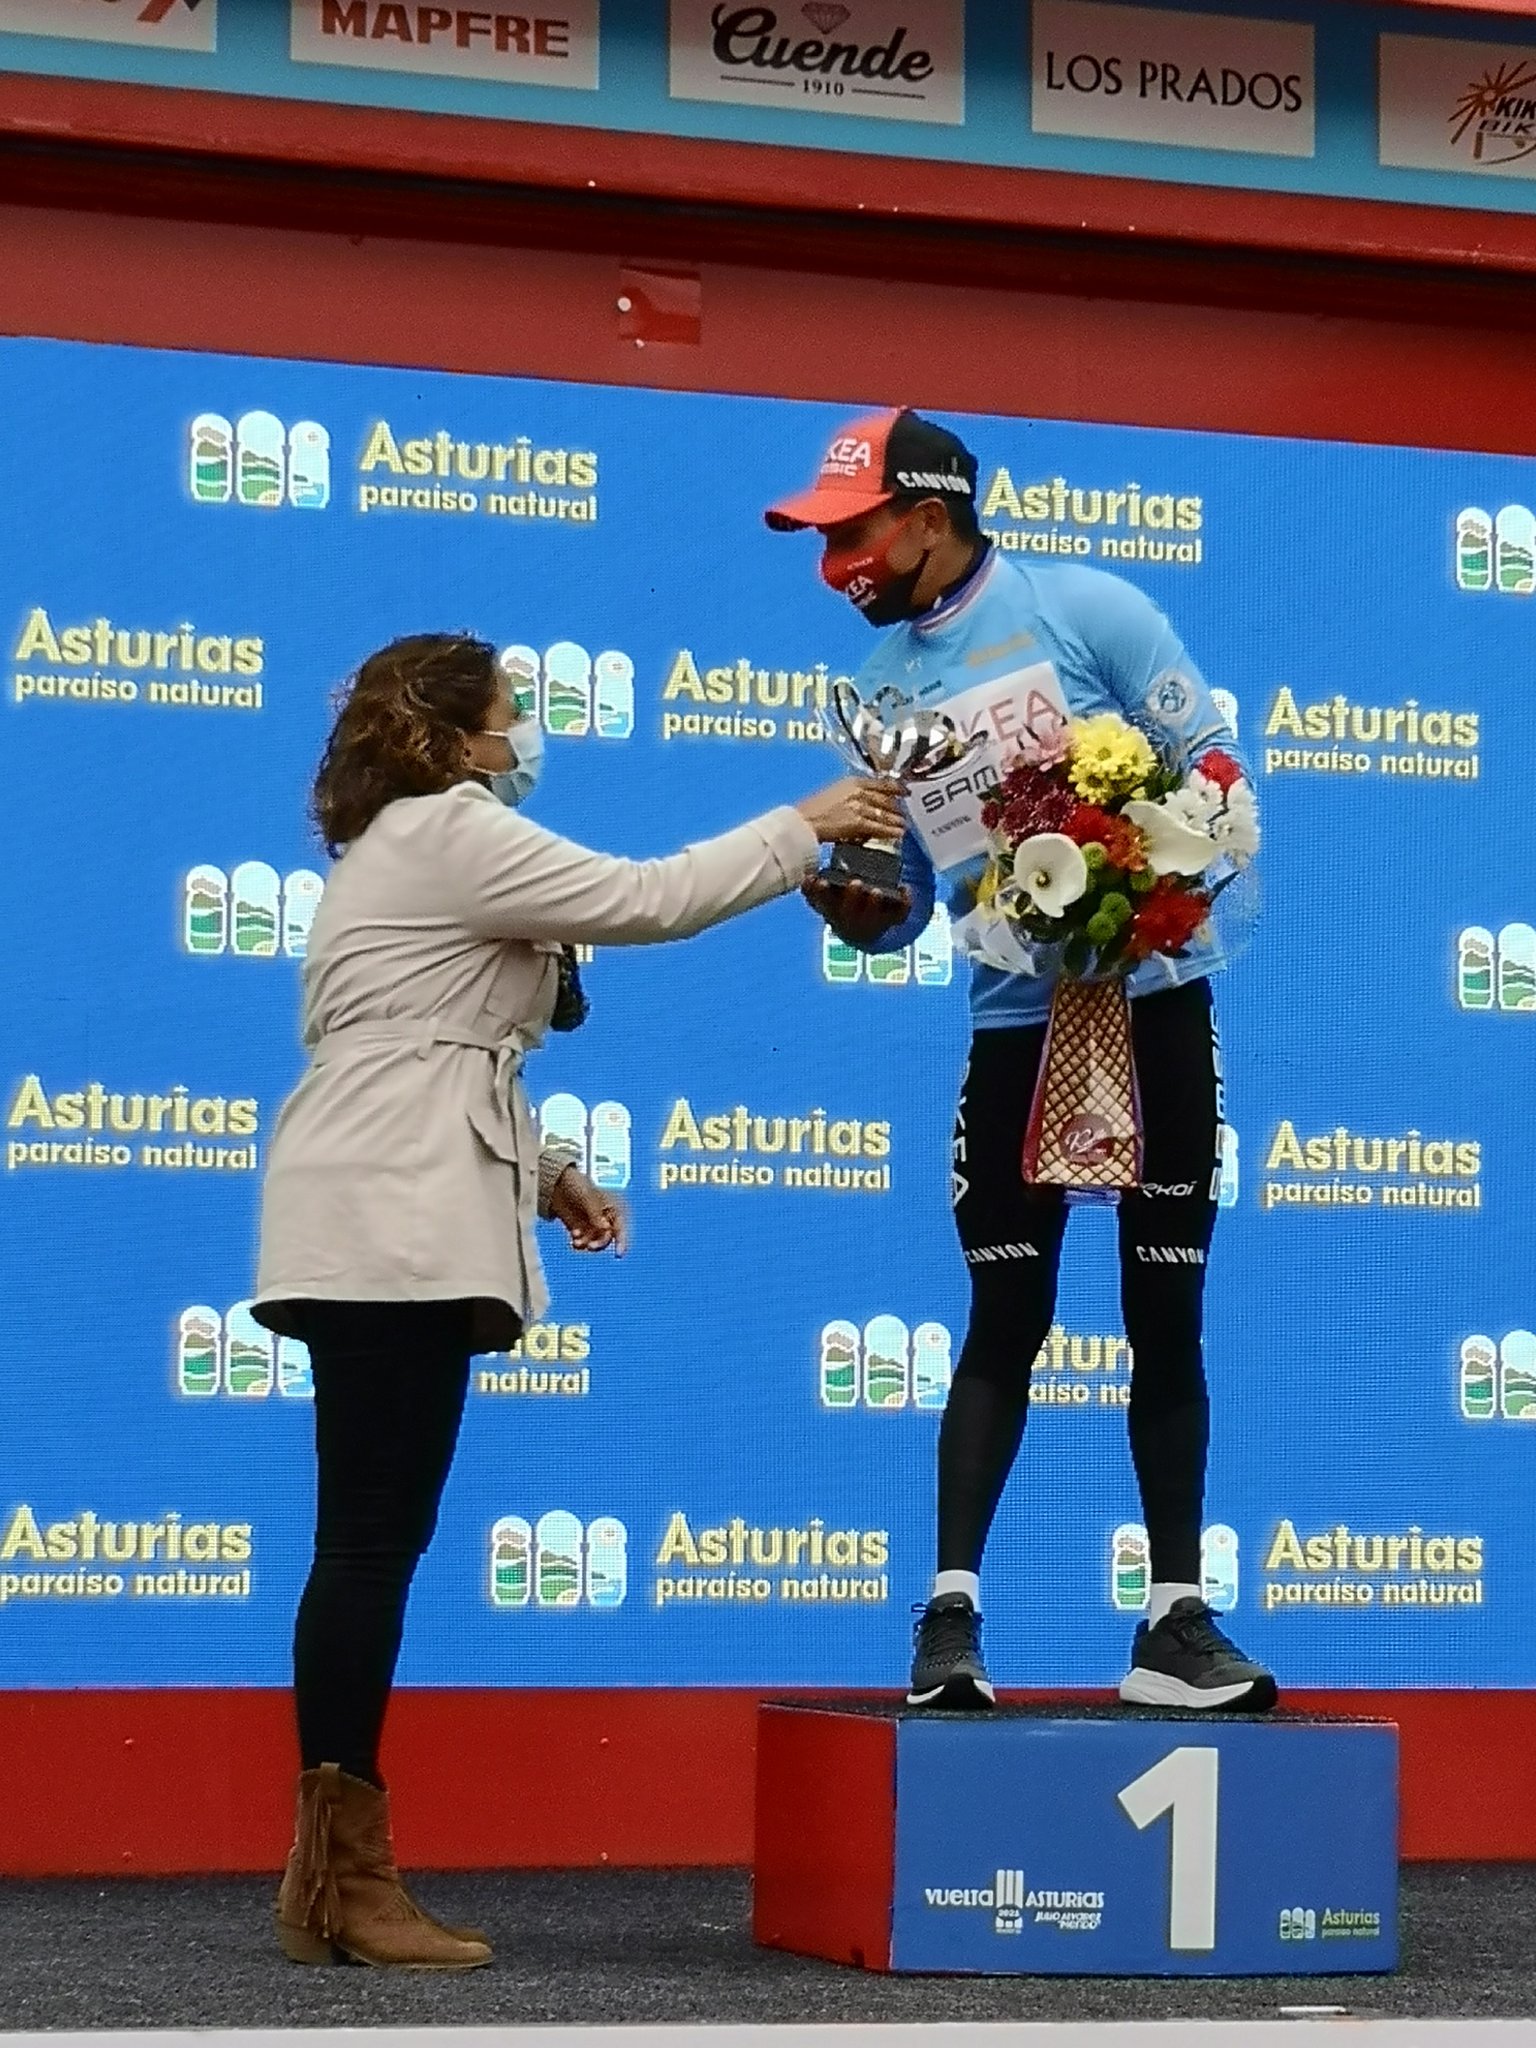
x=1112 y=650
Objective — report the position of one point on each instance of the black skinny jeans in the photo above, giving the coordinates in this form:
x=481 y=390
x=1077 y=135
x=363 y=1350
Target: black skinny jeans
x=390 y=1381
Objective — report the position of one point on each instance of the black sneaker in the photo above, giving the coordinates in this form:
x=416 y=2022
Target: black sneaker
x=1186 y=1661
x=947 y=1670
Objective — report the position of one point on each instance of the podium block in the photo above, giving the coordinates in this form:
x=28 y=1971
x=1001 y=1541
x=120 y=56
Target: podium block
x=1077 y=1842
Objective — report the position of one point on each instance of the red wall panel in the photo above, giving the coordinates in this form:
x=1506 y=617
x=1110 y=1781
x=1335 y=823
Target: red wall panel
x=105 y=1783
x=159 y=1781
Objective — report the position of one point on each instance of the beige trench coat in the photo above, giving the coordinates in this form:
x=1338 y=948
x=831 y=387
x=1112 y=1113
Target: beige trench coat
x=405 y=1166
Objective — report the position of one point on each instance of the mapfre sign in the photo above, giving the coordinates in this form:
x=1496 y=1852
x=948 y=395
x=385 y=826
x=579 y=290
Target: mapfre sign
x=552 y=44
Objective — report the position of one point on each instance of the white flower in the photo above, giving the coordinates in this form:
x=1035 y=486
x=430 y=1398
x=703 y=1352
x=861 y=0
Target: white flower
x=1236 y=830
x=1174 y=846
x=980 y=935
x=1050 y=870
x=1197 y=802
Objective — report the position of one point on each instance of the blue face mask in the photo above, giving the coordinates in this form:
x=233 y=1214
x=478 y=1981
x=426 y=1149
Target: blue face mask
x=515 y=784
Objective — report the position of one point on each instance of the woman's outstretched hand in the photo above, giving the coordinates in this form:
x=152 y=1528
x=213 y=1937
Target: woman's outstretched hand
x=593 y=1219
x=855 y=809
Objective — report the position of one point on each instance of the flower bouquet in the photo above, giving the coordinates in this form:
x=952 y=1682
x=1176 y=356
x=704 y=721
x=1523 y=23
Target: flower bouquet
x=1102 y=856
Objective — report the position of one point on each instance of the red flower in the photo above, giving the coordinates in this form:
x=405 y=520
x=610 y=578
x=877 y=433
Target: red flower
x=1030 y=801
x=1088 y=823
x=1219 y=768
x=1121 y=841
x=991 y=811
x=1167 y=919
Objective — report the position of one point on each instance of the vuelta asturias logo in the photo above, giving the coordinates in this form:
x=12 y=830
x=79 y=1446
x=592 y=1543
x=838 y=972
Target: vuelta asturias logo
x=884 y=1365
x=557 y=1562
x=1496 y=551
x=257 y=461
x=572 y=692
x=599 y=1141
x=232 y=1354
x=1498 y=1381
x=1130 y=1568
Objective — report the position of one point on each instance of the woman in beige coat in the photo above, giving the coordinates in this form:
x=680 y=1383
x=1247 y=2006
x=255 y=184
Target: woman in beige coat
x=405 y=1177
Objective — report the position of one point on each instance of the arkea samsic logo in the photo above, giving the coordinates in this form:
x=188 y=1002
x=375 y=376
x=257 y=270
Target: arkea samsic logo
x=249 y=911
x=1496 y=553
x=571 y=693
x=557 y=1563
x=596 y=1141
x=233 y=1355
x=929 y=962
x=1498 y=1380
x=257 y=461
x=1496 y=973
x=885 y=1365
x=1130 y=1568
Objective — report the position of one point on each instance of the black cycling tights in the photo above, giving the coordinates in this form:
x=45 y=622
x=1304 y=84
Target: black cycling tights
x=390 y=1382
x=1011 y=1234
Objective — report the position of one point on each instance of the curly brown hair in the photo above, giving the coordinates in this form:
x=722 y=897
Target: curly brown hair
x=400 y=727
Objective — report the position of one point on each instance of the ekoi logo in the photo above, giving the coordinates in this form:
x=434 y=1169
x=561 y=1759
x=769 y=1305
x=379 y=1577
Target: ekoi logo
x=572 y=693
x=257 y=461
x=598 y=1142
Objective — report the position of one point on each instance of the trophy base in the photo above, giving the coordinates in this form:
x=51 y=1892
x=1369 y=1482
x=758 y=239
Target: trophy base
x=877 y=867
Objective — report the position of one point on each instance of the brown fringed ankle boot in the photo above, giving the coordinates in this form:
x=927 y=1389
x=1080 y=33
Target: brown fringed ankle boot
x=341 y=1899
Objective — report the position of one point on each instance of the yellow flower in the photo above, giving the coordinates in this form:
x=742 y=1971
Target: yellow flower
x=1109 y=759
x=987 y=887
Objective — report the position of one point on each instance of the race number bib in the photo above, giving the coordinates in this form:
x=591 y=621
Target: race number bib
x=1012 y=713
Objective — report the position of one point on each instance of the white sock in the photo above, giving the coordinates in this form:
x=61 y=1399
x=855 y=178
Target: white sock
x=1163 y=1597
x=968 y=1583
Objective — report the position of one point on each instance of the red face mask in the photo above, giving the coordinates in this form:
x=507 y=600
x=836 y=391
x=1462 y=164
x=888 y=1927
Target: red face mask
x=863 y=574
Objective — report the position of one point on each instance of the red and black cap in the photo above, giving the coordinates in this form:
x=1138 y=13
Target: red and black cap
x=872 y=460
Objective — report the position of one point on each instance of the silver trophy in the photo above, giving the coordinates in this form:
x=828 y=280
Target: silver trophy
x=888 y=736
